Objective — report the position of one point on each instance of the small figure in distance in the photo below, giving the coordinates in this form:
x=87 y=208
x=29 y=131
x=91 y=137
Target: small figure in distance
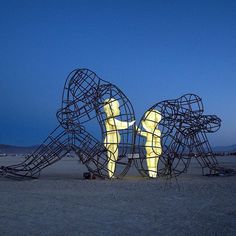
x=112 y=138
x=153 y=140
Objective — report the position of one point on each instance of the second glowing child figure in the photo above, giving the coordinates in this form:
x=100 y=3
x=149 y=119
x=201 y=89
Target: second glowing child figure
x=153 y=140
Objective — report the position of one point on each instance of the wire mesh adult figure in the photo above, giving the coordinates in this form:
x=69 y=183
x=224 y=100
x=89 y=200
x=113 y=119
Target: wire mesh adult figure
x=169 y=134
x=83 y=101
x=182 y=130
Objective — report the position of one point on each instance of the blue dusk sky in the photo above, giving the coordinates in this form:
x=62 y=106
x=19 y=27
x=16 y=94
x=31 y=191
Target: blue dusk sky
x=152 y=50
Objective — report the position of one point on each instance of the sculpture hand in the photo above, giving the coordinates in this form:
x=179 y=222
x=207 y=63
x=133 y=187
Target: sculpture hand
x=131 y=123
x=138 y=130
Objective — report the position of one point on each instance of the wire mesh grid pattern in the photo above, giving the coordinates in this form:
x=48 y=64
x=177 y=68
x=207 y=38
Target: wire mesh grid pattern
x=182 y=135
x=169 y=134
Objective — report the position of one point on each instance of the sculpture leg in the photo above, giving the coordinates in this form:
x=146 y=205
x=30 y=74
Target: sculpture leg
x=56 y=146
x=152 y=161
x=112 y=155
x=97 y=157
x=152 y=167
x=205 y=156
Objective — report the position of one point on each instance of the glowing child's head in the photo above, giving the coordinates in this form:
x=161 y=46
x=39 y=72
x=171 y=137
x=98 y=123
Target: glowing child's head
x=111 y=107
x=151 y=119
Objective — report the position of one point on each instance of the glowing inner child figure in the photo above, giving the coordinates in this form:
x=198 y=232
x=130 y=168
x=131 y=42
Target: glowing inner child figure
x=112 y=138
x=153 y=140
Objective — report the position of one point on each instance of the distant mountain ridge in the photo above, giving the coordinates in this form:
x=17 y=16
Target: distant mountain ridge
x=231 y=148
x=11 y=149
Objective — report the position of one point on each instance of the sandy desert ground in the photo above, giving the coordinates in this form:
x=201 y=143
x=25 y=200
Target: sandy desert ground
x=60 y=202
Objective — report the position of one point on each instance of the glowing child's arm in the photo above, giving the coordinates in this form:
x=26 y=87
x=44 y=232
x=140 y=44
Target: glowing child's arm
x=139 y=131
x=146 y=127
x=120 y=124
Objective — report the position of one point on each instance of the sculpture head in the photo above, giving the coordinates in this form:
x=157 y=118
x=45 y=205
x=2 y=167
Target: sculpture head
x=151 y=120
x=111 y=107
x=190 y=106
x=79 y=93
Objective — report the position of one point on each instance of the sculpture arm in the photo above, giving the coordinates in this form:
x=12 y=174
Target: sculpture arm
x=210 y=123
x=139 y=131
x=120 y=124
x=146 y=127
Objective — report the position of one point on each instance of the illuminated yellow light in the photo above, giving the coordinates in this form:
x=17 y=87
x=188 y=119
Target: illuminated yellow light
x=153 y=140
x=112 y=138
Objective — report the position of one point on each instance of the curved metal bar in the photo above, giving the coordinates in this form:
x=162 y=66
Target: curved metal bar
x=83 y=100
x=169 y=134
x=182 y=134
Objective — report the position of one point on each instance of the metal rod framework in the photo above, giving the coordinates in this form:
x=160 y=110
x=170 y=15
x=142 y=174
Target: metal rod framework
x=166 y=150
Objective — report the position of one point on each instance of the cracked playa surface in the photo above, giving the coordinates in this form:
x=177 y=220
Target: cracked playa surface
x=62 y=203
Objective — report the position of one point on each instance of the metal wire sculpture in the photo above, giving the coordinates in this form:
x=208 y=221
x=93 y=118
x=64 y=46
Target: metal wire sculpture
x=178 y=132
x=84 y=97
x=182 y=133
